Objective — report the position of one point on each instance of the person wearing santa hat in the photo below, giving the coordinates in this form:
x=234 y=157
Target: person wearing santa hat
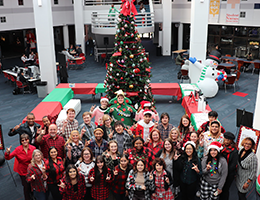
x=98 y=112
x=144 y=106
x=144 y=126
x=214 y=172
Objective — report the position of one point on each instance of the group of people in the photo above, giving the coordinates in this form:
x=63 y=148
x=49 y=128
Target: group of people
x=106 y=159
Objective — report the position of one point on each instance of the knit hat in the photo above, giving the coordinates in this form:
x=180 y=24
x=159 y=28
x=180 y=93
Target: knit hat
x=145 y=104
x=215 y=145
x=189 y=142
x=104 y=99
x=229 y=135
x=120 y=92
x=147 y=112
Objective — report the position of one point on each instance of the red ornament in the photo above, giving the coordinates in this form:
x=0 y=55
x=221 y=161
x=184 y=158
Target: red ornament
x=122 y=119
x=118 y=106
x=127 y=101
x=115 y=101
x=124 y=109
x=121 y=78
x=136 y=70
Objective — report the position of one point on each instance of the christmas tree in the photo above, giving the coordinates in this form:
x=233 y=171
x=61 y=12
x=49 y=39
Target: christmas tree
x=129 y=68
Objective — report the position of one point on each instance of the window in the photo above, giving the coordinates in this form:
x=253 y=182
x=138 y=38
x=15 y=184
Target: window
x=20 y=2
x=243 y=14
x=257 y=6
x=3 y=19
x=56 y=2
x=1 y=2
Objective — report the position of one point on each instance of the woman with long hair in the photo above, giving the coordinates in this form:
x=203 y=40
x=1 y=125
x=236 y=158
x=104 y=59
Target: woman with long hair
x=198 y=140
x=247 y=168
x=175 y=136
x=36 y=175
x=72 y=186
x=140 y=152
x=139 y=182
x=214 y=172
x=54 y=170
x=106 y=127
x=100 y=177
x=73 y=147
x=162 y=181
x=111 y=155
x=23 y=154
x=121 y=172
x=154 y=141
x=84 y=165
x=189 y=169
x=185 y=128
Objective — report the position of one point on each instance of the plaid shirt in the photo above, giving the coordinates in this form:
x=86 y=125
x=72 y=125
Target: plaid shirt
x=110 y=163
x=68 y=192
x=96 y=149
x=127 y=140
x=59 y=169
x=75 y=152
x=71 y=126
x=37 y=184
x=155 y=149
x=48 y=141
x=132 y=187
x=160 y=192
x=146 y=155
x=165 y=132
x=118 y=185
x=100 y=191
x=205 y=128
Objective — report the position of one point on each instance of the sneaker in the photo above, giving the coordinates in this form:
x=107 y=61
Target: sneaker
x=198 y=194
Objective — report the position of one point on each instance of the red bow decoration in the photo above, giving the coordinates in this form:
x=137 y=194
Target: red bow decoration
x=128 y=7
x=117 y=54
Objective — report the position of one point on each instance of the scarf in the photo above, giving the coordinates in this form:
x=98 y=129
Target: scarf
x=240 y=159
x=226 y=151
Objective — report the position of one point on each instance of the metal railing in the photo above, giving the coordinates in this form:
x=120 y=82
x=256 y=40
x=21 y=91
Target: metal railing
x=102 y=2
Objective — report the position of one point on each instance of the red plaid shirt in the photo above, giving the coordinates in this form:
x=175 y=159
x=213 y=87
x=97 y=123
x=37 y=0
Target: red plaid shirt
x=205 y=127
x=59 y=171
x=23 y=158
x=68 y=192
x=157 y=148
x=118 y=185
x=37 y=184
x=48 y=141
x=100 y=191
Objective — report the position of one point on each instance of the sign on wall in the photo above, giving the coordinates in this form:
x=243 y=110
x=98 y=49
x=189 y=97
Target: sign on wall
x=248 y=132
x=232 y=11
x=214 y=11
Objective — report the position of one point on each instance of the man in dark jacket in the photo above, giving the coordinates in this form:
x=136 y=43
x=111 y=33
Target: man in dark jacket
x=29 y=127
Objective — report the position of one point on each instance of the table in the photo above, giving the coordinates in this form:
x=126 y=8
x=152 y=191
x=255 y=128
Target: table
x=197 y=119
x=187 y=88
x=50 y=109
x=226 y=65
x=178 y=51
x=29 y=79
x=62 y=95
x=191 y=108
x=80 y=88
x=228 y=58
x=100 y=88
x=171 y=89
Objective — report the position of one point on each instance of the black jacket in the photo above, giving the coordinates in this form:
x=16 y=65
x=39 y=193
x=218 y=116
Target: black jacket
x=232 y=162
x=24 y=128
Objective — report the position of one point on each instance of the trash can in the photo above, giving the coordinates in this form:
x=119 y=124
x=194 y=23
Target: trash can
x=41 y=89
x=159 y=51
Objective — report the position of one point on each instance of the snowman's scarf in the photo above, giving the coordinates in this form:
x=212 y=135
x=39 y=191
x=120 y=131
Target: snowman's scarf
x=203 y=73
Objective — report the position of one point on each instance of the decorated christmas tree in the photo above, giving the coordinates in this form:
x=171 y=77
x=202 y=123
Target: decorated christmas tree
x=129 y=68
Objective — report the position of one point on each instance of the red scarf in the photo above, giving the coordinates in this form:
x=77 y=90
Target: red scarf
x=227 y=151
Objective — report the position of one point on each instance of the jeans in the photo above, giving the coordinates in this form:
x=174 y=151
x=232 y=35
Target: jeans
x=40 y=195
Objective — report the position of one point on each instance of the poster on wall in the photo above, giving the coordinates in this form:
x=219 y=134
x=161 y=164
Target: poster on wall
x=247 y=132
x=2 y=146
x=214 y=11
x=232 y=11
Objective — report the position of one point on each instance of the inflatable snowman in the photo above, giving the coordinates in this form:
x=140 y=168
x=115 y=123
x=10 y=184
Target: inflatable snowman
x=207 y=80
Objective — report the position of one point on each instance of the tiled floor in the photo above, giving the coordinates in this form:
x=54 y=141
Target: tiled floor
x=14 y=107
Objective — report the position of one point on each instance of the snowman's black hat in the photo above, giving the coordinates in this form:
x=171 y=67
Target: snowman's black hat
x=214 y=55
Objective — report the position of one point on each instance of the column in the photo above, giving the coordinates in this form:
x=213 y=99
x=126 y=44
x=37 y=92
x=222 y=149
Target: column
x=167 y=29
x=66 y=36
x=180 y=36
x=256 y=124
x=198 y=34
x=79 y=23
x=45 y=42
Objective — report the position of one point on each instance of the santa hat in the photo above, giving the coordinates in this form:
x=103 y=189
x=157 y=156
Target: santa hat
x=146 y=111
x=215 y=145
x=145 y=104
x=189 y=142
x=104 y=99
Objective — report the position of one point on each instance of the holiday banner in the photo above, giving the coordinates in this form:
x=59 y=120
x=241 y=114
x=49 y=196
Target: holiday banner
x=232 y=11
x=214 y=11
x=2 y=146
x=245 y=132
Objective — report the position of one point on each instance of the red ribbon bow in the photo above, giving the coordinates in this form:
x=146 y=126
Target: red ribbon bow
x=128 y=7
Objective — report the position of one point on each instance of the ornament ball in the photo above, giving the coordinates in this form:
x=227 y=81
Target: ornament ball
x=131 y=56
x=131 y=86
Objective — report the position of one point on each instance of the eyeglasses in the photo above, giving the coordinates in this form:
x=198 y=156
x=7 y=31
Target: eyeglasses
x=23 y=140
x=85 y=154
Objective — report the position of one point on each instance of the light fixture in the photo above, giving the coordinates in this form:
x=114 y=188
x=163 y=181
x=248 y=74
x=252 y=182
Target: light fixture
x=40 y=3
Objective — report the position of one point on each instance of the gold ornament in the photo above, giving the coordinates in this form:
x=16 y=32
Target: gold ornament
x=131 y=86
x=131 y=56
x=120 y=49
